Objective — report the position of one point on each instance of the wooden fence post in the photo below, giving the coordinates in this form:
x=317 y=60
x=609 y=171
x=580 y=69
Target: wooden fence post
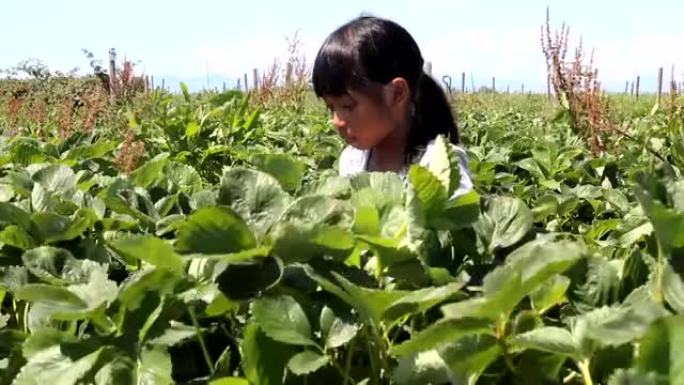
x=637 y=87
x=660 y=84
x=246 y=84
x=493 y=84
x=626 y=86
x=112 y=74
x=255 y=84
x=463 y=86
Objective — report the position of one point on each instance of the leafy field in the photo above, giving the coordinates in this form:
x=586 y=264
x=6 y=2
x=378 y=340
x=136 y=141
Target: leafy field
x=211 y=241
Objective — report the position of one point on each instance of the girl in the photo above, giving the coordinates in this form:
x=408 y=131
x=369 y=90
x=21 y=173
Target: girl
x=370 y=74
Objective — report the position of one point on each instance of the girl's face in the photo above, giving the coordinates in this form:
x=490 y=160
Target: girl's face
x=364 y=121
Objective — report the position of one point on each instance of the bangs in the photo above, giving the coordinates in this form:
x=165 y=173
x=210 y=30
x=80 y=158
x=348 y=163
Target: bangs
x=337 y=68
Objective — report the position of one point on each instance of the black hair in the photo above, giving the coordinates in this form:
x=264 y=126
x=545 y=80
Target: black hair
x=370 y=50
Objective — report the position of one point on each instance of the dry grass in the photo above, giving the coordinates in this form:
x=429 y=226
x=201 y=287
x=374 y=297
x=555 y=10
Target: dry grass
x=285 y=85
x=577 y=88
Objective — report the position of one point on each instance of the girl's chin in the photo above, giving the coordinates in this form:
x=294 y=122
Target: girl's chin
x=356 y=144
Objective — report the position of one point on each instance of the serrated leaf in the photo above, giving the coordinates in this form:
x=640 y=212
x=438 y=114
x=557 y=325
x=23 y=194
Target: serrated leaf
x=422 y=368
x=51 y=227
x=147 y=174
x=307 y=362
x=264 y=359
x=550 y=294
x=339 y=333
x=661 y=351
x=15 y=236
x=428 y=194
x=214 y=230
x=229 y=381
x=150 y=249
x=286 y=169
x=442 y=332
x=468 y=357
x=548 y=339
x=506 y=221
x=283 y=320
x=154 y=367
x=255 y=196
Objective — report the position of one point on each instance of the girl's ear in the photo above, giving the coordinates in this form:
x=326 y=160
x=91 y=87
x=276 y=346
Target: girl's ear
x=399 y=93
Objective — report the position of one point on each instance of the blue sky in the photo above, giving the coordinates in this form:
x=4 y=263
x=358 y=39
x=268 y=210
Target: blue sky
x=188 y=39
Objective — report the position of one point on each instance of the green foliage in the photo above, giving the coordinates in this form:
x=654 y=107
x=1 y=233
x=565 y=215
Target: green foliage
x=233 y=254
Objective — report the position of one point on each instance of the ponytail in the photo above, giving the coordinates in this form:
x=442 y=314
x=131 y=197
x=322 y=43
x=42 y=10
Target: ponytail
x=432 y=116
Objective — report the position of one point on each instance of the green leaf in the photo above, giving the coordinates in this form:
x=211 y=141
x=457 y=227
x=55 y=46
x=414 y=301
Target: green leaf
x=300 y=243
x=15 y=236
x=549 y=339
x=370 y=303
x=428 y=194
x=286 y=169
x=442 y=332
x=335 y=331
x=460 y=212
x=214 y=230
x=150 y=249
x=10 y=213
x=54 y=367
x=617 y=325
x=661 y=350
x=283 y=320
x=307 y=362
x=420 y=301
x=422 y=368
x=672 y=286
x=632 y=377
x=154 y=367
x=133 y=290
x=119 y=371
x=147 y=174
x=550 y=294
x=536 y=261
x=506 y=221
x=668 y=223
x=51 y=227
x=545 y=207
x=444 y=164
x=256 y=196
x=263 y=359
x=229 y=381
x=56 y=298
x=90 y=151
x=367 y=221
x=56 y=266
x=192 y=129
x=468 y=357
x=56 y=178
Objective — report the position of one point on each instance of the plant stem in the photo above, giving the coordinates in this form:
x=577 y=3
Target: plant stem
x=348 y=362
x=344 y=374
x=205 y=352
x=373 y=361
x=584 y=368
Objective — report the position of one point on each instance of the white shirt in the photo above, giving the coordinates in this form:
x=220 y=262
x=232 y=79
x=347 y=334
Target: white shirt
x=353 y=161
